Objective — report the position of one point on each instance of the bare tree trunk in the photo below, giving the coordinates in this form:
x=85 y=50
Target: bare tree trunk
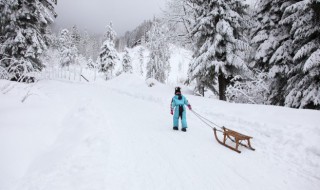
x=222 y=86
x=202 y=90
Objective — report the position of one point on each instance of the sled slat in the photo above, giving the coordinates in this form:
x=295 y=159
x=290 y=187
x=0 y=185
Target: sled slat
x=238 y=137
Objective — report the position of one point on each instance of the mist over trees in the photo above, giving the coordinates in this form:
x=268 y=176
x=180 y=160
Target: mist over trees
x=135 y=37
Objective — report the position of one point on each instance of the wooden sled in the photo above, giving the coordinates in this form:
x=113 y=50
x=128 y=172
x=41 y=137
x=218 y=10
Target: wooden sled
x=237 y=138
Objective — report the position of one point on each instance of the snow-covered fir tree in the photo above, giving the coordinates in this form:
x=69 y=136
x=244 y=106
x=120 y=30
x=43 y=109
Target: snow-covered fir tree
x=126 y=62
x=51 y=57
x=24 y=35
x=108 y=54
x=273 y=46
x=68 y=50
x=266 y=36
x=110 y=34
x=220 y=43
x=76 y=36
x=158 y=66
x=303 y=87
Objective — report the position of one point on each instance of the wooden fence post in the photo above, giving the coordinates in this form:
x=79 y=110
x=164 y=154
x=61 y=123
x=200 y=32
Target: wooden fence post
x=74 y=74
x=80 y=74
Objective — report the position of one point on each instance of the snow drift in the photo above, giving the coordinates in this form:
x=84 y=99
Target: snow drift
x=118 y=135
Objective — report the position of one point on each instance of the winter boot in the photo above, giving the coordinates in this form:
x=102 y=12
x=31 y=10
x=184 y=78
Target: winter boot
x=175 y=128
x=184 y=129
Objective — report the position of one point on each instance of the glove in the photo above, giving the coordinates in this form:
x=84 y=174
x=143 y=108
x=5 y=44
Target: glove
x=189 y=106
x=171 y=112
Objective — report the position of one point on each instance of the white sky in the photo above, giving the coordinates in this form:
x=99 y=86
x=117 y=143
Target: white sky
x=94 y=15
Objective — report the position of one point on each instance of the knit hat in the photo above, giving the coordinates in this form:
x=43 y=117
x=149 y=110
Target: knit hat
x=177 y=90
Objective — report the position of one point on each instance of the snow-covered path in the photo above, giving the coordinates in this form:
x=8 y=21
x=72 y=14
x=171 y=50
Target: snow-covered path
x=118 y=135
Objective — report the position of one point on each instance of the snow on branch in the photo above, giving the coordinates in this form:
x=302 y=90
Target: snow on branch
x=313 y=61
x=306 y=49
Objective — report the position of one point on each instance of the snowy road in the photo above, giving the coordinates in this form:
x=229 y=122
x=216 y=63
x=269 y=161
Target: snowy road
x=118 y=135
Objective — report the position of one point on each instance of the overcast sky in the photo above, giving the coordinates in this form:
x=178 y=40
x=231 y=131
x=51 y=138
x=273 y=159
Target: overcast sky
x=94 y=15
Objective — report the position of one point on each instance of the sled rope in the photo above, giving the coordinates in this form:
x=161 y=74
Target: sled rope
x=207 y=121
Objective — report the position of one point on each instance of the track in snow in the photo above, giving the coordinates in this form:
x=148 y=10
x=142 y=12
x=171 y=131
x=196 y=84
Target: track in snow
x=120 y=137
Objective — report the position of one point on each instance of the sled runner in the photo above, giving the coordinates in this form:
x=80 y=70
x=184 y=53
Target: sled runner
x=237 y=138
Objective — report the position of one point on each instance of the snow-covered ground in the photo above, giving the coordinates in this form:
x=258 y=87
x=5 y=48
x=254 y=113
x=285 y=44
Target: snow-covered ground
x=62 y=135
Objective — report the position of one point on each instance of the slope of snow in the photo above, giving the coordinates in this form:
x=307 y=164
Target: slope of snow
x=118 y=135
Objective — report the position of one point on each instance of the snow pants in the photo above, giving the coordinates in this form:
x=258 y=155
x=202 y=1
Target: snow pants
x=180 y=112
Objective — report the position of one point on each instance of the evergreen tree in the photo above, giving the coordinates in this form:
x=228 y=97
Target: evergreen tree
x=303 y=87
x=267 y=35
x=220 y=42
x=24 y=32
x=68 y=50
x=76 y=36
x=158 y=65
x=110 y=34
x=108 y=55
x=126 y=62
x=272 y=43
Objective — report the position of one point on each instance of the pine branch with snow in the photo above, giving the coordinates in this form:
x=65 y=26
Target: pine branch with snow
x=24 y=28
x=272 y=43
x=302 y=90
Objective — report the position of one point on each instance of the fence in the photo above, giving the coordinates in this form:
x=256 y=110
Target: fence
x=67 y=73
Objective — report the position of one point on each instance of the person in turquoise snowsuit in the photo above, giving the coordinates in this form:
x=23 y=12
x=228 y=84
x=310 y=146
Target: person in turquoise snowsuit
x=178 y=110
